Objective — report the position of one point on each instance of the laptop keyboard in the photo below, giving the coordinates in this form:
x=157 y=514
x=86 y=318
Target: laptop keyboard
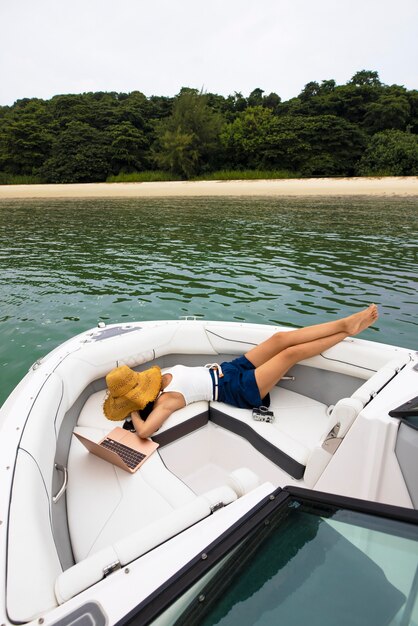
x=132 y=458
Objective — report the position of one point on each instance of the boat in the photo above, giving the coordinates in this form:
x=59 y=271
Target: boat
x=305 y=517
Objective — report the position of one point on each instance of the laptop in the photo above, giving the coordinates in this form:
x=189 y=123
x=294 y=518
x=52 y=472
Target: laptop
x=122 y=448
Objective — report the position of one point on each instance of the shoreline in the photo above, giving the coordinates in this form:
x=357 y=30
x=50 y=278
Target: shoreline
x=356 y=186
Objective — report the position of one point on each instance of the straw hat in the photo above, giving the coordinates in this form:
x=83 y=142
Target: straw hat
x=130 y=391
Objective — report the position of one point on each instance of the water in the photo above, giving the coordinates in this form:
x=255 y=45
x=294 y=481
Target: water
x=65 y=265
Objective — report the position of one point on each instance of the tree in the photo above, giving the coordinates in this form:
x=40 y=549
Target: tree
x=137 y=110
x=247 y=139
x=25 y=137
x=323 y=131
x=128 y=148
x=335 y=145
x=272 y=101
x=178 y=152
x=255 y=98
x=313 y=145
x=365 y=77
x=160 y=107
x=239 y=102
x=327 y=86
x=187 y=142
x=313 y=89
x=310 y=90
x=413 y=103
x=69 y=108
x=349 y=101
x=80 y=154
x=390 y=152
x=389 y=111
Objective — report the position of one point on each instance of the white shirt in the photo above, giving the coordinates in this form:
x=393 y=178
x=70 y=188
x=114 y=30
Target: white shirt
x=194 y=383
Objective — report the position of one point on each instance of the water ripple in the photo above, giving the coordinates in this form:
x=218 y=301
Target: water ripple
x=65 y=265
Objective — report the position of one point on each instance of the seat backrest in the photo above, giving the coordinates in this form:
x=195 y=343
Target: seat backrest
x=92 y=569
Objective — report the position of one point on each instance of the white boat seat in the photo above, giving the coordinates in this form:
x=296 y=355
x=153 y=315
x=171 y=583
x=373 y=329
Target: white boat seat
x=288 y=441
x=128 y=548
x=295 y=440
x=180 y=423
x=92 y=416
x=127 y=502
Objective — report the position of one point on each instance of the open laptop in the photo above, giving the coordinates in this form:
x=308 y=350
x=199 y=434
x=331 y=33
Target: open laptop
x=122 y=448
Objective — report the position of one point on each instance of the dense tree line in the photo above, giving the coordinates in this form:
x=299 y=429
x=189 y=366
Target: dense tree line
x=361 y=128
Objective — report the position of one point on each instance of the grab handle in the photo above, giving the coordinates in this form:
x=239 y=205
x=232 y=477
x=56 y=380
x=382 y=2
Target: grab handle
x=63 y=469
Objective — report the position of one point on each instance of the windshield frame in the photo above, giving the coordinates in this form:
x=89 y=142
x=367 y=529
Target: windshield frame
x=163 y=597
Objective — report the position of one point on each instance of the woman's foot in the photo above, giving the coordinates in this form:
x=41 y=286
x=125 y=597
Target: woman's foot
x=358 y=322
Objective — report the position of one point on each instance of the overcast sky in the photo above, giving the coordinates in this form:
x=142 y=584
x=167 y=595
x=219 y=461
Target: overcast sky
x=50 y=47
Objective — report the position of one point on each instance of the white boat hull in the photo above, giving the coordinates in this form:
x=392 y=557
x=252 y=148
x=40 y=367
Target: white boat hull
x=332 y=433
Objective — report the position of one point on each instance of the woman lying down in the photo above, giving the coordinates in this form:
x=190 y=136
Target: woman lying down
x=150 y=397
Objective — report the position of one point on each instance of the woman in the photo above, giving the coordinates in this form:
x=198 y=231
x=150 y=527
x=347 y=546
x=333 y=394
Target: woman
x=244 y=382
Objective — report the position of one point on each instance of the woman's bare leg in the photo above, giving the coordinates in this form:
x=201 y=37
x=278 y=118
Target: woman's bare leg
x=269 y=373
x=351 y=325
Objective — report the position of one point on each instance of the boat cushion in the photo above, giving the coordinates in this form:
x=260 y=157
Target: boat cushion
x=243 y=480
x=127 y=502
x=128 y=548
x=180 y=423
x=92 y=416
x=288 y=441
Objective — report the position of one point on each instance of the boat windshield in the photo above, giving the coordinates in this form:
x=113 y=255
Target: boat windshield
x=312 y=564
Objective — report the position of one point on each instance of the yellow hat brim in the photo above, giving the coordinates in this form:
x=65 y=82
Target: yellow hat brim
x=145 y=388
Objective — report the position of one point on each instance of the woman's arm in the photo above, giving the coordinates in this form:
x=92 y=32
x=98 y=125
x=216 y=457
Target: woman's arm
x=156 y=418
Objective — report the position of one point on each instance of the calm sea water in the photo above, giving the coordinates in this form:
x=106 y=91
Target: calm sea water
x=66 y=265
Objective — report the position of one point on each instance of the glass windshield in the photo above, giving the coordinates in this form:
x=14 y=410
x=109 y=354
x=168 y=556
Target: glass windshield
x=315 y=565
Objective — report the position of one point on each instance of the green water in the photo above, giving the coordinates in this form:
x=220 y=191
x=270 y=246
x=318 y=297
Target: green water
x=66 y=265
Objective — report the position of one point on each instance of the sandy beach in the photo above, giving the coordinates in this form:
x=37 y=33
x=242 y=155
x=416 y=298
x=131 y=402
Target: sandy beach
x=388 y=186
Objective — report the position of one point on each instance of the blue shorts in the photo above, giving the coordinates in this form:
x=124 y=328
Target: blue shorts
x=238 y=386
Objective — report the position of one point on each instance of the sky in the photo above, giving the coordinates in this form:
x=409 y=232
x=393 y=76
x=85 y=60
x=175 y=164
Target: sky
x=50 y=47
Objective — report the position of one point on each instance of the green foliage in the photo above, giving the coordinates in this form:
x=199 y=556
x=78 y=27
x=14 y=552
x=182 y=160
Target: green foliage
x=413 y=103
x=80 y=154
x=150 y=176
x=247 y=139
x=188 y=140
x=366 y=77
x=19 y=179
x=324 y=131
x=390 y=153
x=248 y=175
x=335 y=145
x=350 y=101
x=127 y=148
x=324 y=144
x=25 y=137
x=388 y=112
